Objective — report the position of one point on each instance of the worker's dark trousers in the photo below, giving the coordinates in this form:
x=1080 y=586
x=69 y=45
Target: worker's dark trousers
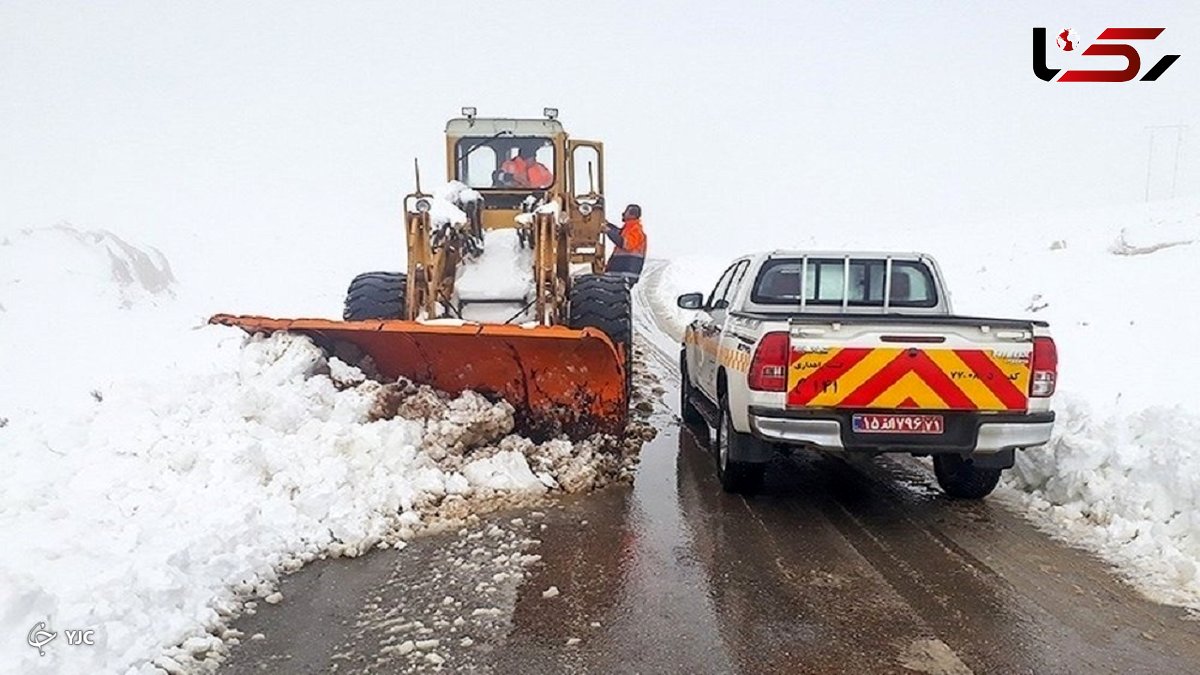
x=625 y=265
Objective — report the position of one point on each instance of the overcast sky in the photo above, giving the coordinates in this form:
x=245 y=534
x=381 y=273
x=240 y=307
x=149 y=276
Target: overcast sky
x=283 y=127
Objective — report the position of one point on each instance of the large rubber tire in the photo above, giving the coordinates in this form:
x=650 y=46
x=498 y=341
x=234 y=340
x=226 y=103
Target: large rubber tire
x=960 y=478
x=375 y=295
x=687 y=410
x=602 y=301
x=736 y=477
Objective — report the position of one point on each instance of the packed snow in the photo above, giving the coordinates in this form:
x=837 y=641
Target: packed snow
x=446 y=206
x=1122 y=473
x=503 y=271
x=161 y=472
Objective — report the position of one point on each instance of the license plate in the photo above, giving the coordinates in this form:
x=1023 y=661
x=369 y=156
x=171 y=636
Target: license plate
x=898 y=424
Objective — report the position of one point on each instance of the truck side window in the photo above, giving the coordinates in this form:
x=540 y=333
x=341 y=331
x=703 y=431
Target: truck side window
x=739 y=273
x=718 y=292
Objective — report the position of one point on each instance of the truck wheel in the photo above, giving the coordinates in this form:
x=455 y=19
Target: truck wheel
x=736 y=477
x=960 y=478
x=375 y=295
x=687 y=410
x=602 y=301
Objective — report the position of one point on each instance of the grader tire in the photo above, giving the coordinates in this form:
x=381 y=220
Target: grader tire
x=602 y=301
x=375 y=295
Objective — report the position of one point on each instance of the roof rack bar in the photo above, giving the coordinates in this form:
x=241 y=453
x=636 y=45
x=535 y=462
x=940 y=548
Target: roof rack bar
x=803 y=283
x=845 y=283
x=887 y=284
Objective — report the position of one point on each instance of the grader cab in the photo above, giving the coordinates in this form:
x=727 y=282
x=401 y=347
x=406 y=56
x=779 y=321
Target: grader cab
x=504 y=292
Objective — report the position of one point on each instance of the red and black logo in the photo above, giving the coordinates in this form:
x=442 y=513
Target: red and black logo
x=1105 y=45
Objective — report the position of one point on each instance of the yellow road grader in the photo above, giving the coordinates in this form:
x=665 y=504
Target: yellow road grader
x=563 y=357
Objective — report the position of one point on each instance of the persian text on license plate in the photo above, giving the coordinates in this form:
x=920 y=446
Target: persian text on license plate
x=898 y=424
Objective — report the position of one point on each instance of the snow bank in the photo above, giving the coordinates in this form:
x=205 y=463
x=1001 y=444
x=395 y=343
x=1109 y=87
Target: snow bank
x=1127 y=486
x=1118 y=287
x=76 y=308
x=172 y=470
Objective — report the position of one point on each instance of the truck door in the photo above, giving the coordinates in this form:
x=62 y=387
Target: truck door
x=716 y=310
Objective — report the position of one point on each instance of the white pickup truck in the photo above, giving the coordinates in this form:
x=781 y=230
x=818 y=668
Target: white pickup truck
x=861 y=353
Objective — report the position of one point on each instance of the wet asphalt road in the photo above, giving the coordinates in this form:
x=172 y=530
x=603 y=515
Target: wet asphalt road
x=837 y=568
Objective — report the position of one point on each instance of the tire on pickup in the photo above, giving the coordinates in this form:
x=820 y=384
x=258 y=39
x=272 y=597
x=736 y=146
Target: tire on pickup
x=736 y=476
x=962 y=479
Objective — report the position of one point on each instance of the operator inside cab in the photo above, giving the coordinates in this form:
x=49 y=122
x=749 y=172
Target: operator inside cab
x=629 y=256
x=524 y=170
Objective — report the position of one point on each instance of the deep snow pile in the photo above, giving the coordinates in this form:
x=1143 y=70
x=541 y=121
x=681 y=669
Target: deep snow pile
x=78 y=309
x=1122 y=475
x=168 y=471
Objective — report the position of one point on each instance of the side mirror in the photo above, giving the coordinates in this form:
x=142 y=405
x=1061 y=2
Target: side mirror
x=690 y=301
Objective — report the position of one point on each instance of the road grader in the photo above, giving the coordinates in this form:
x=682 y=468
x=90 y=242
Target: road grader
x=563 y=357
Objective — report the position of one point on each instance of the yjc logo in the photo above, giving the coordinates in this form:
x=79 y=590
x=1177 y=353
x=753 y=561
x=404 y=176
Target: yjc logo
x=40 y=635
x=1133 y=61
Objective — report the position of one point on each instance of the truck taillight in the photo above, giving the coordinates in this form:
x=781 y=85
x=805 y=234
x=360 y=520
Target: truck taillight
x=769 y=367
x=1045 y=367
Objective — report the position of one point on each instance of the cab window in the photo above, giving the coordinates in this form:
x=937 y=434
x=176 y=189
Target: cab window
x=505 y=162
x=825 y=283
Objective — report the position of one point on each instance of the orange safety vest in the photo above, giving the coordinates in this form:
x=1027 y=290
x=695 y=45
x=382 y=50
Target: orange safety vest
x=633 y=239
x=528 y=173
x=539 y=176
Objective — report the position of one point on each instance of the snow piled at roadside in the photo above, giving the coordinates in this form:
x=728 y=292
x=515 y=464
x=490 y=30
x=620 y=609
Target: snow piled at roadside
x=1126 y=486
x=78 y=309
x=1122 y=473
x=160 y=472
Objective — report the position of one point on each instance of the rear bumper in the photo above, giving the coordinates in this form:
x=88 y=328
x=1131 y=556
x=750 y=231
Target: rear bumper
x=966 y=433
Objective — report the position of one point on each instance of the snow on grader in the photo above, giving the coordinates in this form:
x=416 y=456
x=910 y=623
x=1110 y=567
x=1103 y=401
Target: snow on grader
x=504 y=291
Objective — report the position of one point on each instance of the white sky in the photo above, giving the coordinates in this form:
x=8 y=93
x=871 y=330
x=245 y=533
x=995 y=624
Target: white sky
x=286 y=128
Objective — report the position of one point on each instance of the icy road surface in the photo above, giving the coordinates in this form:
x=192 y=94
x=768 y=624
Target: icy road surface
x=835 y=568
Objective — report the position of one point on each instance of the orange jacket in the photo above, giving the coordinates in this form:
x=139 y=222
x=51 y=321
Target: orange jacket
x=631 y=239
x=538 y=175
x=630 y=253
x=528 y=173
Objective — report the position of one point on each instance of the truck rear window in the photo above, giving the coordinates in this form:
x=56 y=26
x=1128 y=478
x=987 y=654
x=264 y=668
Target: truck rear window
x=779 y=283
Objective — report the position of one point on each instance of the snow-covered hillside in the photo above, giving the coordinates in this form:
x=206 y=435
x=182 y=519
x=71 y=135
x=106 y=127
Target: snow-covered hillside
x=159 y=472
x=1122 y=475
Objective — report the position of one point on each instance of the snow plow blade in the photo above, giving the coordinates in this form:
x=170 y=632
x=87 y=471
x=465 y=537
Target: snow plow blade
x=558 y=380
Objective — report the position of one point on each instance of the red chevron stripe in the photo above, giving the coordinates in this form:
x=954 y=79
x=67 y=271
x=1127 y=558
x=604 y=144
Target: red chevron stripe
x=900 y=366
x=941 y=384
x=815 y=382
x=993 y=378
x=879 y=382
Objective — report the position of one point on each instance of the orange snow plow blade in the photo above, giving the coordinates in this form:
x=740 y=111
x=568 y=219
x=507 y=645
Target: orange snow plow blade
x=557 y=379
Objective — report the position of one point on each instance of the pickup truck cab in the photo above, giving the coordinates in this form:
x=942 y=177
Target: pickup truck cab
x=861 y=353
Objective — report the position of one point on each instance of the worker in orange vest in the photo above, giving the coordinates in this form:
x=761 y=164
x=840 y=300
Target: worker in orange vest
x=526 y=171
x=630 y=241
